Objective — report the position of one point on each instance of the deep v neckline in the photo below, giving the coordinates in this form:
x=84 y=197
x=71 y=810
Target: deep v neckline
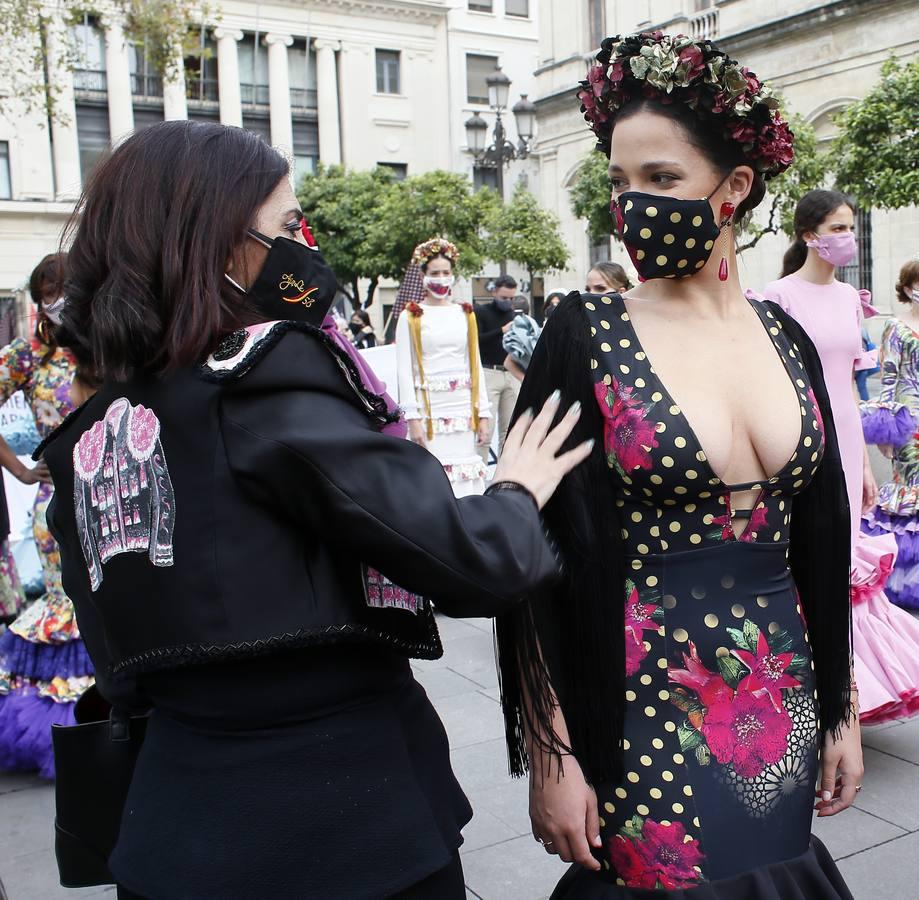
x=758 y=483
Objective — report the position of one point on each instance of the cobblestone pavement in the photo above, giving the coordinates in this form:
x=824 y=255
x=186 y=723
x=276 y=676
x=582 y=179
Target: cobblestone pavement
x=877 y=843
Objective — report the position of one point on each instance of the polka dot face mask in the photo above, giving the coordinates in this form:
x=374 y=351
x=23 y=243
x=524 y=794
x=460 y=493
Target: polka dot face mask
x=666 y=237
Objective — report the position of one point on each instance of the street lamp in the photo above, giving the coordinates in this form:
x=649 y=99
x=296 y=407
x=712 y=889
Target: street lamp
x=501 y=151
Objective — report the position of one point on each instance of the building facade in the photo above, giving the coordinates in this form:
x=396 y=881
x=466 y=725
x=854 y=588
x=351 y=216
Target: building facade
x=819 y=55
x=354 y=82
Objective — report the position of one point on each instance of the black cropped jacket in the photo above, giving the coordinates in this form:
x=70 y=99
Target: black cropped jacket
x=247 y=505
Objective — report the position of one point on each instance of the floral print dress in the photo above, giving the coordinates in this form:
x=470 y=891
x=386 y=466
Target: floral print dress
x=892 y=419
x=721 y=724
x=44 y=666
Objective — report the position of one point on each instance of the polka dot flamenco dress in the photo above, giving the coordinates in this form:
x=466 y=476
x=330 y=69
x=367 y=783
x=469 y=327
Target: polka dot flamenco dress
x=721 y=723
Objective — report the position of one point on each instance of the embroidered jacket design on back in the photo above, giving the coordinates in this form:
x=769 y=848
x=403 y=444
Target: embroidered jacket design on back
x=123 y=495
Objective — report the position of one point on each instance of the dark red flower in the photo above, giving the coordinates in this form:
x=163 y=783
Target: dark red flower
x=742 y=132
x=638 y=620
x=816 y=408
x=414 y=309
x=767 y=671
x=747 y=731
x=467 y=308
x=694 y=61
x=757 y=521
x=632 y=437
x=669 y=856
x=709 y=686
x=629 y=863
x=754 y=85
x=616 y=72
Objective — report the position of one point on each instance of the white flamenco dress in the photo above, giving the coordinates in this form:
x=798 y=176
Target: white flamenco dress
x=448 y=380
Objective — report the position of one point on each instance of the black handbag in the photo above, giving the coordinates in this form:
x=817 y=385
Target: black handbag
x=94 y=762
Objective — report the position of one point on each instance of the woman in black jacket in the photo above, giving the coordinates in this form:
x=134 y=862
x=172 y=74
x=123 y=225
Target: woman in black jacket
x=210 y=498
x=362 y=334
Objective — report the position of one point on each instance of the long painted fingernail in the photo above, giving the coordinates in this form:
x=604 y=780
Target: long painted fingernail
x=555 y=397
x=591 y=443
x=575 y=408
x=826 y=796
x=597 y=841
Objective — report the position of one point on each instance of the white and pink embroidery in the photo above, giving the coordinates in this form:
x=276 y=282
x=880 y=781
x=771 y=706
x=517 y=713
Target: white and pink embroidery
x=123 y=495
x=382 y=593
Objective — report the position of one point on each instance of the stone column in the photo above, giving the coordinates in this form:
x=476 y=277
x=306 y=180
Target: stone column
x=282 y=128
x=175 y=103
x=231 y=110
x=118 y=80
x=327 y=92
x=65 y=146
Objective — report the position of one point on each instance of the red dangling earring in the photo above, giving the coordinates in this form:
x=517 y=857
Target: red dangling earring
x=727 y=214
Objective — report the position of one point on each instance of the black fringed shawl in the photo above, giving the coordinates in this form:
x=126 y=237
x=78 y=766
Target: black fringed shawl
x=569 y=641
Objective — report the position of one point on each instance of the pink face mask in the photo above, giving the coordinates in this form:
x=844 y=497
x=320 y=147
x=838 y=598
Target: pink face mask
x=836 y=249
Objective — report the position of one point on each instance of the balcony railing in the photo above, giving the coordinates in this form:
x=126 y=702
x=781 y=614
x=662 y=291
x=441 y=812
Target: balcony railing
x=147 y=85
x=703 y=26
x=303 y=98
x=202 y=90
x=254 y=94
x=90 y=81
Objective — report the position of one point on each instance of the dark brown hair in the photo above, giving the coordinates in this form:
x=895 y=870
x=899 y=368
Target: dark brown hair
x=724 y=155
x=612 y=273
x=810 y=213
x=364 y=316
x=153 y=232
x=427 y=262
x=48 y=277
x=909 y=275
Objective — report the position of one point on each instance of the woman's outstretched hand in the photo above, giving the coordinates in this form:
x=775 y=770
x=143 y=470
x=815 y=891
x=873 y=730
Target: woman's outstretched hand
x=530 y=456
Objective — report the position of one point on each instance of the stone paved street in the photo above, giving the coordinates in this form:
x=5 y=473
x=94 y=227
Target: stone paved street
x=877 y=843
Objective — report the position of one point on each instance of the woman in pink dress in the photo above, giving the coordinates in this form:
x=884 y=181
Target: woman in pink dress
x=885 y=639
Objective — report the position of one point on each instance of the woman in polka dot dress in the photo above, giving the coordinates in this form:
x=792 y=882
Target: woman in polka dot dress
x=685 y=692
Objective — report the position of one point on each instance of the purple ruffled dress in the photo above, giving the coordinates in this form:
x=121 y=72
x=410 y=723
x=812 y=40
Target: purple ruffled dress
x=44 y=666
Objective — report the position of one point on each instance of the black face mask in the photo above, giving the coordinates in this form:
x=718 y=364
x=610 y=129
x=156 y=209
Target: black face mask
x=666 y=237
x=355 y=328
x=295 y=282
x=503 y=303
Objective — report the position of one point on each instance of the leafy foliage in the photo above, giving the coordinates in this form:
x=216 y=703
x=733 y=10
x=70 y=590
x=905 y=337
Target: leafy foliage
x=525 y=233
x=810 y=170
x=590 y=196
x=878 y=144
x=168 y=29
x=368 y=224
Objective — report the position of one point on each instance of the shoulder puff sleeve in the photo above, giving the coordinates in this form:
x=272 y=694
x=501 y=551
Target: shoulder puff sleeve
x=886 y=420
x=864 y=359
x=16 y=363
x=297 y=437
x=405 y=368
x=773 y=291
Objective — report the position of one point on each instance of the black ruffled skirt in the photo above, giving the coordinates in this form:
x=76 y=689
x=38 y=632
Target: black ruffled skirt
x=811 y=876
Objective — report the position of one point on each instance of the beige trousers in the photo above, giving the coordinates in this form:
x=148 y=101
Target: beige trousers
x=502 y=389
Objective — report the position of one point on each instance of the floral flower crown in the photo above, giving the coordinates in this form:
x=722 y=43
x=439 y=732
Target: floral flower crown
x=676 y=68
x=435 y=247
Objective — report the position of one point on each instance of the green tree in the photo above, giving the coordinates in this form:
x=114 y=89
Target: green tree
x=525 y=233
x=436 y=204
x=368 y=224
x=810 y=170
x=877 y=149
x=590 y=196
x=344 y=210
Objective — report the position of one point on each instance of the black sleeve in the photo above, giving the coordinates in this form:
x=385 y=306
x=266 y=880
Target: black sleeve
x=820 y=549
x=486 y=333
x=568 y=640
x=296 y=437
